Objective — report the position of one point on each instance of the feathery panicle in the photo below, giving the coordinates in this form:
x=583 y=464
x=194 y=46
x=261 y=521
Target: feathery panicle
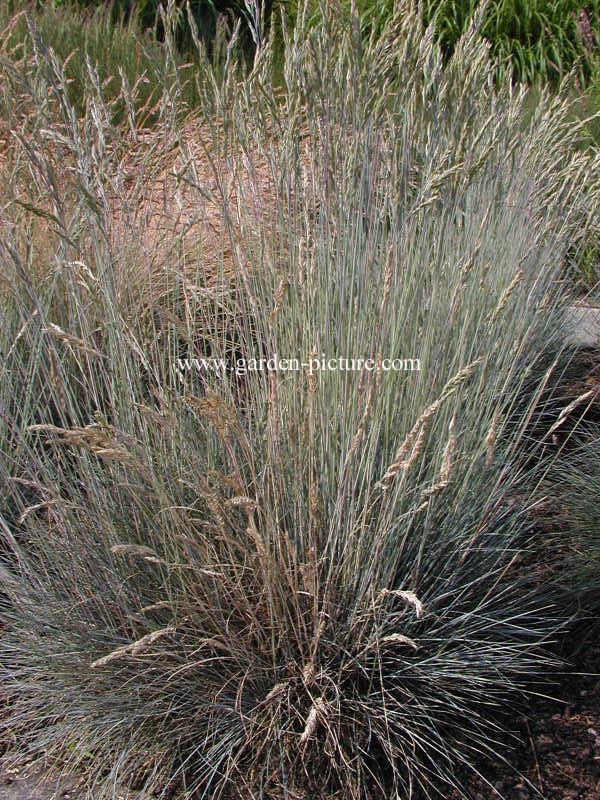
x=133 y=649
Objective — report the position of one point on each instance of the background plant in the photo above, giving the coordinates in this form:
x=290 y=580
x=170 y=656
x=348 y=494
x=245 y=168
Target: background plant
x=208 y=17
x=538 y=40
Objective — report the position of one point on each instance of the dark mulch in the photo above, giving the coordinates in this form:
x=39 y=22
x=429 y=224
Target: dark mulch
x=559 y=754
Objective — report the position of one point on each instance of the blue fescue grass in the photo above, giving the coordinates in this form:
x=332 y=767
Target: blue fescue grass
x=283 y=583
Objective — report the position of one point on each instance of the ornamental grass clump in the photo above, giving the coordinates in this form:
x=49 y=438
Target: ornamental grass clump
x=302 y=580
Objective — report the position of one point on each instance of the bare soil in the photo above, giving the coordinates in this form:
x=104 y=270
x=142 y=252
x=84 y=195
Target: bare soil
x=559 y=754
